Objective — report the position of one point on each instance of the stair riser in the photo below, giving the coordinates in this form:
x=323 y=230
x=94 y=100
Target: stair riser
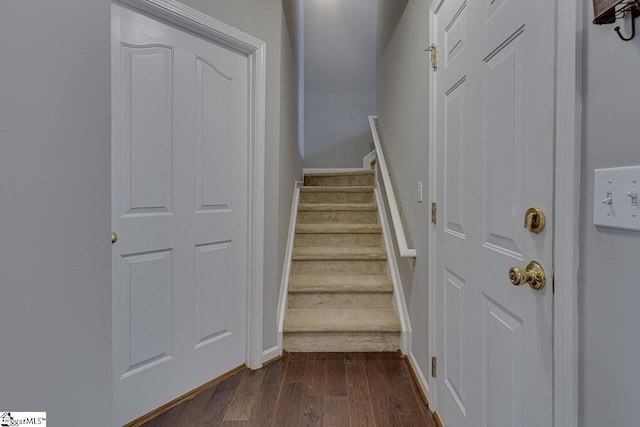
x=366 y=180
x=337 y=217
x=336 y=197
x=351 y=239
x=340 y=283
x=339 y=267
x=340 y=300
x=341 y=341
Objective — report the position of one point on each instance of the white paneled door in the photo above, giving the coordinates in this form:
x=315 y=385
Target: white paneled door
x=494 y=112
x=179 y=208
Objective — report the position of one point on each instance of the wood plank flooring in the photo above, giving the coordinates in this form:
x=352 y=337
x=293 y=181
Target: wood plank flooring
x=309 y=389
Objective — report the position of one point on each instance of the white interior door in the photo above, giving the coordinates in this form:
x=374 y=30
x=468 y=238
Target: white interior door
x=494 y=159
x=179 y=207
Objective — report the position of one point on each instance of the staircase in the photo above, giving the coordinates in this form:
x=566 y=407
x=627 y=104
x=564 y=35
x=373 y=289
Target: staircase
x=340 y=298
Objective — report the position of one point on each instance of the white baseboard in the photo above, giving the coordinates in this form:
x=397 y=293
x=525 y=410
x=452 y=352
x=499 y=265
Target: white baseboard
x=422 y=380
x=271 y=353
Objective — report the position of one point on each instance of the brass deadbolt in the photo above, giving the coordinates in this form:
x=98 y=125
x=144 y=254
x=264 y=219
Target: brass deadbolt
x=534 y=220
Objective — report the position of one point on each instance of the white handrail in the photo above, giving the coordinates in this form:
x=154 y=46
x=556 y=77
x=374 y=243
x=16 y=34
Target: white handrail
x=405 y=251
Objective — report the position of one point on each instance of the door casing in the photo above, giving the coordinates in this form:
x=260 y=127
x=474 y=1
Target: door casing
x=211 y=29
x=566 y=199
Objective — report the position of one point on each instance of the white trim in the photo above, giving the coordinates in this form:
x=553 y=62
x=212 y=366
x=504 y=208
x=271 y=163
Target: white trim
x=433 y=398
x=255 y=320
x=271 y=353
x=405 y=251
x=366 y=160
x=196 y=22
x=286 y=269
x=566 y=204
x=422 y=379
x=190 y=19
x=330 y=170
x=399 y=302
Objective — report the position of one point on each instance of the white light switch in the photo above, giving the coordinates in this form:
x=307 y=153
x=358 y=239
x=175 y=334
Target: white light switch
x=420 y=191
x=615 y=202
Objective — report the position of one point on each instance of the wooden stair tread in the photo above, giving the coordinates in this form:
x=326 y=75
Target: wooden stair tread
x=325 y=228
x=340 y=283
x=341 y=320
x=302 y=253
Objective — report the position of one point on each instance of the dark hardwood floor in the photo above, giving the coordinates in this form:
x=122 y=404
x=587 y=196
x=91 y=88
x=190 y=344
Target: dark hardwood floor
x=309 y=389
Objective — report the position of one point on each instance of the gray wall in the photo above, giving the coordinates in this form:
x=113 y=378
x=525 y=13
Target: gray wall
x=403 y=94
x=610 y=279
x=339 y=81
x=264 y=20
x=55 y=213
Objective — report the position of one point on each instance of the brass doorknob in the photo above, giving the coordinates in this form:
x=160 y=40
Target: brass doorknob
x=533 y=275
x=114 y=237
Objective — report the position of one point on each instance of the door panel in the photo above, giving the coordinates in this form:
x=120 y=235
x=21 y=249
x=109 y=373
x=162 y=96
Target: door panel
x=454 y=344
x=494 y=159
x=179 y=201
x=213 y=133
x=503 y=356
x=455 y=34
x=147 y=133
x=147 y=280
x=213 y=291
x=455 y=159
x=504 y=155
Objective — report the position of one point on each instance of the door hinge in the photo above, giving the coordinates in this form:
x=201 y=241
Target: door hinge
x=433 y=366
x=434 y=211
x=434 y=55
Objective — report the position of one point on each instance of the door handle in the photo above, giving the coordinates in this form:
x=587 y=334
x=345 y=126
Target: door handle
x=114 y=237
x=534 y=275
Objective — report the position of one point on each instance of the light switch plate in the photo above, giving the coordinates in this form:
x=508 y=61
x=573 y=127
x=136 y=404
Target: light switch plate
x=616 y=193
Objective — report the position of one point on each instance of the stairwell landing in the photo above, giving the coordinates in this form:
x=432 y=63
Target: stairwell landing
x=339 y=295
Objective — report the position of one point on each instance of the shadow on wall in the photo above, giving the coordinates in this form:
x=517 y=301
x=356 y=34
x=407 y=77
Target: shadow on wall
x=355 y=147
x=389 y=14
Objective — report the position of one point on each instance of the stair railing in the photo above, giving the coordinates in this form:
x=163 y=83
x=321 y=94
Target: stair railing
x=405 y=251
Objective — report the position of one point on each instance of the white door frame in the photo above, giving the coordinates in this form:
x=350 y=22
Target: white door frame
x=566 y=199
x=189 y=19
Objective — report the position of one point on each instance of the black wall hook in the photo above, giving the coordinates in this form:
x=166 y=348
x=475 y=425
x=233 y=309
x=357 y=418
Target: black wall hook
x=635 y=12
x=609 y=11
